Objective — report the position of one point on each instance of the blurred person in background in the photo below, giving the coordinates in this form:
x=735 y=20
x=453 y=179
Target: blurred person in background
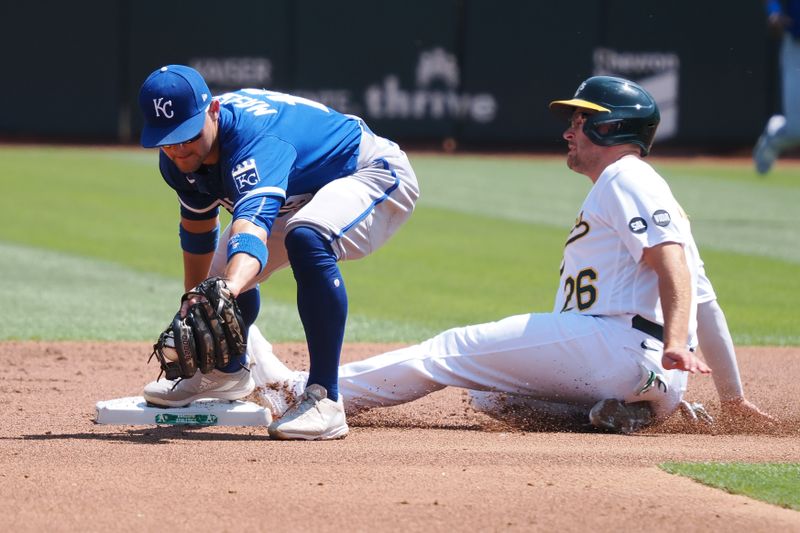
x=782 y=131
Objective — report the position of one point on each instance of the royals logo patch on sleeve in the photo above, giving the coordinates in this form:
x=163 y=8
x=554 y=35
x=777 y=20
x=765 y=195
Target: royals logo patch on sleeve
x=245 y=175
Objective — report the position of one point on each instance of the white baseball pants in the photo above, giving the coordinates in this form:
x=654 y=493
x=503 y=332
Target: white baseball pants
x=564 y=358
x=356 y=213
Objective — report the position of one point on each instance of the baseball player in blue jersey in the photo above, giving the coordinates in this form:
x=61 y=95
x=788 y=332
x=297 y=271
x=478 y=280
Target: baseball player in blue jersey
x=782 y=131
x=307 y=187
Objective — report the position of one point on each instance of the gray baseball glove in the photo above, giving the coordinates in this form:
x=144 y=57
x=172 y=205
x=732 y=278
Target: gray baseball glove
x=212 y=332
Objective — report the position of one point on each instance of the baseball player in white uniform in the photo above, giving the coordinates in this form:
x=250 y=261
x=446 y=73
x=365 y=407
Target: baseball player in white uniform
x=621 y=336
x=619 y=343
x=716 y=344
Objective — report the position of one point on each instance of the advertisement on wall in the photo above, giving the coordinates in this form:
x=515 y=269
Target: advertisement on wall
x=433 y=96
x=658 y=73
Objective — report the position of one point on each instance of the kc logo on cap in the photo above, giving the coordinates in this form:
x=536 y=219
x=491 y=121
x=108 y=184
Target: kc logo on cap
x=173 y=101
x=163 y=107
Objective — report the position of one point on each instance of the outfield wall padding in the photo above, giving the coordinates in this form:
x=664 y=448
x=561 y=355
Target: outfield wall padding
x=478 y=71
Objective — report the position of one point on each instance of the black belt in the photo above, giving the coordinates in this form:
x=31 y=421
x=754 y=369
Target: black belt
x=645 y=326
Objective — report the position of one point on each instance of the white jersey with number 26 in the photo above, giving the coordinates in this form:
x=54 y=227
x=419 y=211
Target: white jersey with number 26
x=585 y=351
x=628 y=209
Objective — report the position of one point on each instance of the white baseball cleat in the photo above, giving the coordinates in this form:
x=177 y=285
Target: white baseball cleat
x=277 y=386
x=620 y=417
x=278 y=395
x=215 y=384
x=313 y=417
x=765 y=153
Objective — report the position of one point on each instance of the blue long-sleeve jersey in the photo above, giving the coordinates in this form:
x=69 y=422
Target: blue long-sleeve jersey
x=271 y=146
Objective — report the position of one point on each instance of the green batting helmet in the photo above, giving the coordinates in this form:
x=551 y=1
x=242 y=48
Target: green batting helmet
x=621 y=112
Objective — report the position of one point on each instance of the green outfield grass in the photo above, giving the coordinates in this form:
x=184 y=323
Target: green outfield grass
x=89 y=245
x=778 y=484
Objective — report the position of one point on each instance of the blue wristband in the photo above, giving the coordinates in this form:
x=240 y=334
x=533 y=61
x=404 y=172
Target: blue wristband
x=249 y=244
x=198 y=243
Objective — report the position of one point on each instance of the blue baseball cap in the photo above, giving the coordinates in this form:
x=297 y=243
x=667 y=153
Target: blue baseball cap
x=173 y=100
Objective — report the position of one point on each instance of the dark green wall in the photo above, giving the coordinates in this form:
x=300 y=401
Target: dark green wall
x=60 y=74
x=479 y=71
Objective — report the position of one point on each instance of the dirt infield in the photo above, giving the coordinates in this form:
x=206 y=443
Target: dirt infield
x=434 y=465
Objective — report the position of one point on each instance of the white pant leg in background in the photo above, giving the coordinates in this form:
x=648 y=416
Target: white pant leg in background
x=563 y=358
x=790 y=75
x=783 y=130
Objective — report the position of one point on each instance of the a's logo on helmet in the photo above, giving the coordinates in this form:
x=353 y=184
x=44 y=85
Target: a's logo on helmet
x=580 y=88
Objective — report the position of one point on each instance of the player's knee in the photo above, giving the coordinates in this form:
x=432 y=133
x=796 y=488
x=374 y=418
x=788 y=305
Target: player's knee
x=306 y=248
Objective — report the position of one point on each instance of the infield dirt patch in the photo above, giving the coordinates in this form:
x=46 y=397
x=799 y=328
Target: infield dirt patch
x=433 y=465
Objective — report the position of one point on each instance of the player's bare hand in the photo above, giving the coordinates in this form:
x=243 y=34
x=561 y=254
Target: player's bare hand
x=742 y=416
x=683 y=359
x=235 y=286
x=743 y=409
